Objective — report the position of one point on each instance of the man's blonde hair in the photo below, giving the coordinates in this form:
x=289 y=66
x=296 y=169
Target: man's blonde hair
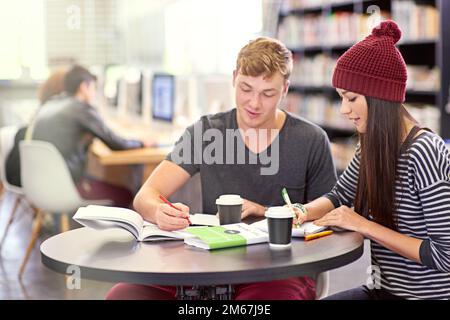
x=264 y=56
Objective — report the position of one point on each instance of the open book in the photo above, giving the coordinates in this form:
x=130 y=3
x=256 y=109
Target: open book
x=306 y=228
x=102 y=217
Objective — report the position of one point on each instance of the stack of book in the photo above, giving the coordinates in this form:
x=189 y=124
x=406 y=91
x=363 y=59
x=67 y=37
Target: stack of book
x=304 y=4
x=316 y=70
x=423 y=78
x=318 y=109
x=427 y=115
x=340 y=28
x=417 y=21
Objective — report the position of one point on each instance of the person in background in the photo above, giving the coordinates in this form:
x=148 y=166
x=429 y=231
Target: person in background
x=52 y=87
x=261 y=81
x=396 y=189
x=70 y=122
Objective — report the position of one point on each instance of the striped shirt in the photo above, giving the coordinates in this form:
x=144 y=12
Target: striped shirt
x=422 y=194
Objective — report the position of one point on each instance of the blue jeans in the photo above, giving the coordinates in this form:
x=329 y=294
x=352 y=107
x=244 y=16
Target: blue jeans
x=363 y=293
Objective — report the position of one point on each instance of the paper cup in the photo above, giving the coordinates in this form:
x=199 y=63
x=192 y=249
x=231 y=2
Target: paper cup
x=279 y=221
x=229 y=207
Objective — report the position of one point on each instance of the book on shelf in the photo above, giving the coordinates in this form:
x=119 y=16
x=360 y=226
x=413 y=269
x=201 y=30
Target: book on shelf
x=417 y=21
x=225 y=236
x=103 y=217
x=339 y=29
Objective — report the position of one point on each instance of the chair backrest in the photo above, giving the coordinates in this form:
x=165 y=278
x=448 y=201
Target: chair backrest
x=7 y=136
x=46 y=179
x=322 y=285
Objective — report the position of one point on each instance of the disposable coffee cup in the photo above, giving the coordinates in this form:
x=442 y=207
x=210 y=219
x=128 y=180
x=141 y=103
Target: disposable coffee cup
x=279 y=221
x=229 y=207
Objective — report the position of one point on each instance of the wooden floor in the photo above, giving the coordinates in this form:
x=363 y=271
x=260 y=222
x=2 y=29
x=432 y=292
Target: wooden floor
x=38 y=282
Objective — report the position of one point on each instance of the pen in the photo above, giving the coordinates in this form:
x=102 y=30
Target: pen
x=318 y=235
x=171 y=205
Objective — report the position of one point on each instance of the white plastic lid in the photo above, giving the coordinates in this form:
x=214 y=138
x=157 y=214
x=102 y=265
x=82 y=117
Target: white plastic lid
x=229 y=200
x=279 y=212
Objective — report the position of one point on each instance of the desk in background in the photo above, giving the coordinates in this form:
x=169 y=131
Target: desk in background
x=113 y=166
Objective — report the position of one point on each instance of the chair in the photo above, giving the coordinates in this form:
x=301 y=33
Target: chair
x=7 y=136
x=322 y=285
x=47 y=183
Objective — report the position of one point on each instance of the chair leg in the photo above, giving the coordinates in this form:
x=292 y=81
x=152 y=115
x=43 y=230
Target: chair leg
x=65 y=225
x=35 y=210
x=34 y=235
x=2 y=191
x=11 y=219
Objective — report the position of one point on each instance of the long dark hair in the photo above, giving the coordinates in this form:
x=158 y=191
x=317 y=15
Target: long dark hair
x=380 y=150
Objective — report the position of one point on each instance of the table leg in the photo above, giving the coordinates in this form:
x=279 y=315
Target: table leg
x=224 y=292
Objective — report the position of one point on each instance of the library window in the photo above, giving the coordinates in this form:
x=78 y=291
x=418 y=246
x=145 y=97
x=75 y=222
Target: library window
x=22 y=30
x=205 y=36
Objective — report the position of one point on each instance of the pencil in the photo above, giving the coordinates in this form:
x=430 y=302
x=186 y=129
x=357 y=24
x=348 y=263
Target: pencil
x=286 y=199
x=318 y=235
x=171 y=205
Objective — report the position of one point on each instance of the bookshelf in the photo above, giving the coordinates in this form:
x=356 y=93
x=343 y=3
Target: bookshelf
x=319 y=31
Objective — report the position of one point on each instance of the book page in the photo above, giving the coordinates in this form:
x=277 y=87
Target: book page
x=104 y=224
x=124 y=218
x=151 y=232
x=307 y=227
x=201 y=219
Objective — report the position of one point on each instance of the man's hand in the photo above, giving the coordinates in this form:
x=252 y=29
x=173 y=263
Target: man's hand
x=170 y=219
x=251 y=208
x=148 y=142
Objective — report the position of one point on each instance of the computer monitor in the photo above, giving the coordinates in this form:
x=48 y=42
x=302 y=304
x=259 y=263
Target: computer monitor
x=134 y=99
x=112 y=85
x=163 y=97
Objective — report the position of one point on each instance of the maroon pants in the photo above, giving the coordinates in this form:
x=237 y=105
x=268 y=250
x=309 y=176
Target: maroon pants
x=303 y=288
x=92 y=189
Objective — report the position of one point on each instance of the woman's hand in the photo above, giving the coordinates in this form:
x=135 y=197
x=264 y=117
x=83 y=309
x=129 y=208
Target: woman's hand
x=346 y=218
x=251 y=208
x=300 y=217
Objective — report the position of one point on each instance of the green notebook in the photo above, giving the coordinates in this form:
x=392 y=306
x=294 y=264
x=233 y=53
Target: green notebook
x=231 y=235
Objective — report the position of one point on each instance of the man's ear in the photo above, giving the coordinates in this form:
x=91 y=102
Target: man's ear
x=83 y=87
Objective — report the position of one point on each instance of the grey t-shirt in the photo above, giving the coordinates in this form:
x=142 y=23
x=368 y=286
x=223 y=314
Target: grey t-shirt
x=299 y=159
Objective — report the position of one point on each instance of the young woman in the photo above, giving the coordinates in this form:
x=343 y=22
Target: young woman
x=396 y=190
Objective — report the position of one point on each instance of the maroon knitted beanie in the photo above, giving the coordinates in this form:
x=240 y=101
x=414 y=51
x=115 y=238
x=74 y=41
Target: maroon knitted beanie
x=374 y=67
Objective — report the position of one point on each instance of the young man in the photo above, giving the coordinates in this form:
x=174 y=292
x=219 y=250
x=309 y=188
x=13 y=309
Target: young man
x=70 y=122
x=254 y=150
